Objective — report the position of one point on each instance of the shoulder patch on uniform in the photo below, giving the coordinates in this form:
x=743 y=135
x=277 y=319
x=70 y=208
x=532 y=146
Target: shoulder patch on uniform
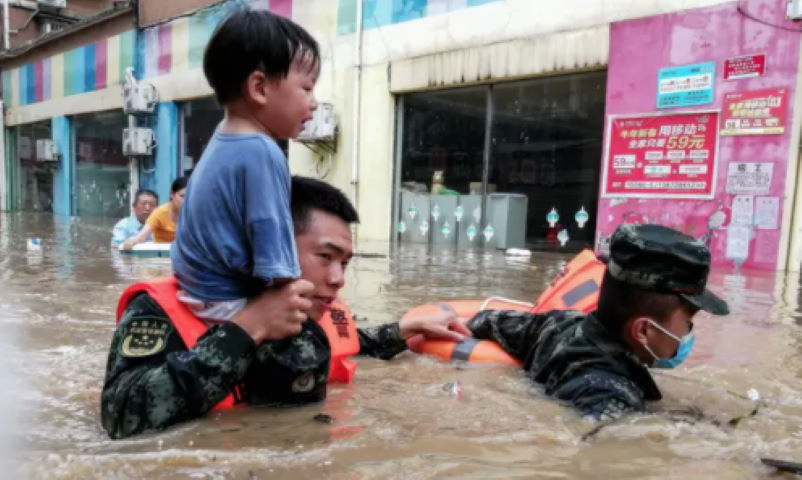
x=304 y=384
x=145 y=337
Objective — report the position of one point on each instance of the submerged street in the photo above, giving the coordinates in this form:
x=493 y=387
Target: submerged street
x=400 y=418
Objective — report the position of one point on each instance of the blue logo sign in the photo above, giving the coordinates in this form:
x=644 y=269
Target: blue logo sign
x=686 y=85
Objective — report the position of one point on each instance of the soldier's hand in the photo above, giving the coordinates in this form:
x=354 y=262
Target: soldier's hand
x=437 y=326
x=277 y=313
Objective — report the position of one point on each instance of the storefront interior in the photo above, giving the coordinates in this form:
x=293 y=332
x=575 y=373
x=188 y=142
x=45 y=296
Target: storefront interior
x=540 y=138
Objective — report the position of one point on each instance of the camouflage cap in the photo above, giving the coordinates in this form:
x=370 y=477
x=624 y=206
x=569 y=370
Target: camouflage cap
x=664 y=260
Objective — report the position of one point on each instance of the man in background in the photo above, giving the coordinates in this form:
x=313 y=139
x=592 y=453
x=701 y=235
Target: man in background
x=144 y=203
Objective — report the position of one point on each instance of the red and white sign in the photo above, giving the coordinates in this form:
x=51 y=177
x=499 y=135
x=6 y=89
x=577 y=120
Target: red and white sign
x=661 y=156
x=761 y=112
x=746 y=66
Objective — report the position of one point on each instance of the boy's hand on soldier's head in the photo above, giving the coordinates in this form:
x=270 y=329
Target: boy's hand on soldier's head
x=278 y=313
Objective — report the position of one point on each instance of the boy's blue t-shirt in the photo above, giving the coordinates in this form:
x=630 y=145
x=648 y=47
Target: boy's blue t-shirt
x=235 y=231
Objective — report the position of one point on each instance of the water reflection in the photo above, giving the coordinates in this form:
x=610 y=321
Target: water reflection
x=396 y=421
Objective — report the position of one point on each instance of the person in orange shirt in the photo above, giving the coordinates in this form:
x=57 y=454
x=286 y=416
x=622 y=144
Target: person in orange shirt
x=162 y=222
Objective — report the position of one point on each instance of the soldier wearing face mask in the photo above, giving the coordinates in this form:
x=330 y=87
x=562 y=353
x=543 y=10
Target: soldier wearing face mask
x=654 y=285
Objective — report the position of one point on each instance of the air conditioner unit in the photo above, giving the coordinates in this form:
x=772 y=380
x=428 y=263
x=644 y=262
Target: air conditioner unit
x=322 y=127
x=139 y=98
x=46 y=150
x=138 y=141
x=52 y=3
x=794 y=11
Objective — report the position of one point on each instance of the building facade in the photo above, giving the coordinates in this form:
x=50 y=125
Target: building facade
x=30 y=20
x=460 y=122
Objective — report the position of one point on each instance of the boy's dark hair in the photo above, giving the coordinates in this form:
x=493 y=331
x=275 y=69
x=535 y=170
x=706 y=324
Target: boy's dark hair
x=179 y=184
x=249 y=40
x=619 y=302
x=144 y=191
x=310 y=194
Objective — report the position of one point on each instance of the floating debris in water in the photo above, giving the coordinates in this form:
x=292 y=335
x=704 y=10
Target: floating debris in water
x=453 y=389
x=753 y=394
x=324 y=418
x=34 y=244
x=783 y=465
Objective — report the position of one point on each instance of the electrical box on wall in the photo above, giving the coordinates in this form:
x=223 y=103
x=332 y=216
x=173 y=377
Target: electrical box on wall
x=322 y=127
x=138 y=141
x=795 y=10
x=139 y=98
x=46 y=150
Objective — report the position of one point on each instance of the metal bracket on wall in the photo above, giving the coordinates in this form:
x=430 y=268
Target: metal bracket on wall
x=321 y=147
x=324 y=149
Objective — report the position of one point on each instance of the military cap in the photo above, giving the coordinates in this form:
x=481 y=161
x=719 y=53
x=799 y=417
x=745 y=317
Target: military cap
x=661 y=259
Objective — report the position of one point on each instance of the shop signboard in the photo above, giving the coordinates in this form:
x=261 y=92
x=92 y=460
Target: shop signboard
x=760 y=112
x=686 y=85
x=661 y=155
x=746 y=66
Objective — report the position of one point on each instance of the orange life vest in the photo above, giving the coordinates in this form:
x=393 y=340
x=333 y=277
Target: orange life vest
x=575 y=288
x=338 y=323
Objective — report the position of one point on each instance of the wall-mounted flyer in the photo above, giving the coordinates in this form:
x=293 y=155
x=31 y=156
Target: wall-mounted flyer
x=760 y=112
x=686 y=85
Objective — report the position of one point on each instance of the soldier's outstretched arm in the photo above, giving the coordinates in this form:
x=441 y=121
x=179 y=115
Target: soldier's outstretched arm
x=153 y=381
x=383 y=341
x=517 y=332
x=388 y=340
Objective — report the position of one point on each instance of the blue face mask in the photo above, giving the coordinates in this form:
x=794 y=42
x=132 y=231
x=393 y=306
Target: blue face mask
x=684 y=348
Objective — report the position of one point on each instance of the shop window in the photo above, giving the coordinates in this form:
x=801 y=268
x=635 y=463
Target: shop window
x=545 y=141
x=102 y=173
x=444 y=135
x=199 y=120
x=35 y=175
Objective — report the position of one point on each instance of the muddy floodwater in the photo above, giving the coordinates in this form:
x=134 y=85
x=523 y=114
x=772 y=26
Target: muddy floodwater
x=398 y=420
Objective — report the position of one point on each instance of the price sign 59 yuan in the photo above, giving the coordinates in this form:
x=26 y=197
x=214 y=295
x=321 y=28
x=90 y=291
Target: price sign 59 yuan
x=661 y=156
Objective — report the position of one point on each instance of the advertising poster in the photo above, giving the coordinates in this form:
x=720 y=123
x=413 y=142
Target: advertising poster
x=742 y=208
x=755 y=113
x=738 y=242
x=661 y=156
x=686 y=85
x=767 y=213
x=749 y=178
x=746 y=66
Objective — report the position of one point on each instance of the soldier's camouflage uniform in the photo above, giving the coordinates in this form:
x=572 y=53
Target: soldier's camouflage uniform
x=153 y=381
x=574 y=356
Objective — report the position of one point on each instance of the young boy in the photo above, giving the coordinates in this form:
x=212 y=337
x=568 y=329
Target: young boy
x=654 y=285
x=235 y=233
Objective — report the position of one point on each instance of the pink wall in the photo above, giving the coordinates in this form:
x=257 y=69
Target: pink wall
x=639 y=48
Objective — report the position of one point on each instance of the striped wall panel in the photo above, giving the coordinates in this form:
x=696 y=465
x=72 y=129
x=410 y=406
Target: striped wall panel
x=170 y=47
